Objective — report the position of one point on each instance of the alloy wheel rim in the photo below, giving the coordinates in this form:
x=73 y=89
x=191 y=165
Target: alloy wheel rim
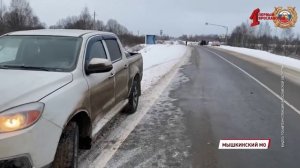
x=135 y=97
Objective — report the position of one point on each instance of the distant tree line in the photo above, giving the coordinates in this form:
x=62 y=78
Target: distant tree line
x=198 y=38
x=263 y=37
x=85 y=21
x=20 y=16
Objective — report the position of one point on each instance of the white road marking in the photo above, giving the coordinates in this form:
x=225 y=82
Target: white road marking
x=259 y=82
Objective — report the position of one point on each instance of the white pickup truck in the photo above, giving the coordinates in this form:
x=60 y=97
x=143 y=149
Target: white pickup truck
x=55 y=86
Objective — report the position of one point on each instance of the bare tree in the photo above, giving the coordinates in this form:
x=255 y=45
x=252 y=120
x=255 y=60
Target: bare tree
x=264 y=29
x=83 y=21
x=240 y=36
x=99 y=25
x=287 y=36
x=2 y=23
x=18 y=16
x=297 y=44
x=115 y=27
x=3 y=9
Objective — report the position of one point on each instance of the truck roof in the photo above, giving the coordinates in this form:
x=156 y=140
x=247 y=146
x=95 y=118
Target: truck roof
x=58 y=32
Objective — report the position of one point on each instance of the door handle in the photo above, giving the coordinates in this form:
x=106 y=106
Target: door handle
x=112 y=74
x=125 y=66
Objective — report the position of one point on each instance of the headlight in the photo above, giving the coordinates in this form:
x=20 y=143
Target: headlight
x=20 y=117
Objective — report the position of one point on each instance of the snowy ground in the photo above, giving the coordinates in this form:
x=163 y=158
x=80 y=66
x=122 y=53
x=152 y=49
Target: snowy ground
x=158 y=60
x=161 y=63
x=266 y=56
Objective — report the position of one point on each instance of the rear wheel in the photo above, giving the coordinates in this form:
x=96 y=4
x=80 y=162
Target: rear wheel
x=133 y=98
x=67 y=150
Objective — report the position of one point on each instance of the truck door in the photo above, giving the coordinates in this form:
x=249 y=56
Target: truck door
x=120 y=67
x=102 y=94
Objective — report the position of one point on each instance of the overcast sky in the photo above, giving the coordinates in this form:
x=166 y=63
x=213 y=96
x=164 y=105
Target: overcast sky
x=174 y=17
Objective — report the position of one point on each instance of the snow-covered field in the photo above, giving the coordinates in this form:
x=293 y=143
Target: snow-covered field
x=276 y=59
x=158 y=60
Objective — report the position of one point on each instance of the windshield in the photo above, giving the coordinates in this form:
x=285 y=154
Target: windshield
x=51 y=53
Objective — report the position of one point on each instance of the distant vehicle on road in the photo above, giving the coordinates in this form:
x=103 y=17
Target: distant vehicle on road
x=55 y=86
x=203 y=42
x=215 y=43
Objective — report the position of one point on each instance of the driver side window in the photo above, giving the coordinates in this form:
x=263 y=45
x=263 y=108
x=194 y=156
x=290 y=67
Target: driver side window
x=96 y=50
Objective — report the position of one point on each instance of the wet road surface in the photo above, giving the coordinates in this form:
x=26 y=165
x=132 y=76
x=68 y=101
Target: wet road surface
x=208 y=100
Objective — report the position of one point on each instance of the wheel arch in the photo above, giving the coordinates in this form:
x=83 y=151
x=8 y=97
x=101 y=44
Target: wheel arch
x=84 y=123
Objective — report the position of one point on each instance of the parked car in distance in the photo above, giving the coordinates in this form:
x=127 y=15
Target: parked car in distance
x=215 y=43
x=55 y=86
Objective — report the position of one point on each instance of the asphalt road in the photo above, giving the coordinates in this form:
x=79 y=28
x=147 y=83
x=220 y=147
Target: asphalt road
x=210 y=99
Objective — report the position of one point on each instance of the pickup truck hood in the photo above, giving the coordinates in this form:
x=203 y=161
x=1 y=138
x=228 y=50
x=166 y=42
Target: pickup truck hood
x=19 y=87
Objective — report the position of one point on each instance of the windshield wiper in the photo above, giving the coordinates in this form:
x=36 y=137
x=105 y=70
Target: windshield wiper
x=24 y=67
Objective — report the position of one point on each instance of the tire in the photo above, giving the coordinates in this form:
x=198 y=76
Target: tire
x=133 y=98
x=67 y=150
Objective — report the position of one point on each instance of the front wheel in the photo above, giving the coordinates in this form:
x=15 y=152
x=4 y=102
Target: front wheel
x=67 y=150
x=133 y=98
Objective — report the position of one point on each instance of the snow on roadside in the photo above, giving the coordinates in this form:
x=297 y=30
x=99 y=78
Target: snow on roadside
x=266 y=56
x=159 y=60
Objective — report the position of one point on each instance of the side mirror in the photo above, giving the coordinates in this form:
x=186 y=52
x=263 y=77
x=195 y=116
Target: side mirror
x=98 y=65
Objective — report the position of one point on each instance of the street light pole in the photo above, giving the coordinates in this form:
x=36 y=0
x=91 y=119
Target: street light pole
x=226 y=27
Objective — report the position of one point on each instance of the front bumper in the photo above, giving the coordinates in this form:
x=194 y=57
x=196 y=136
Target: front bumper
x=35 y=145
